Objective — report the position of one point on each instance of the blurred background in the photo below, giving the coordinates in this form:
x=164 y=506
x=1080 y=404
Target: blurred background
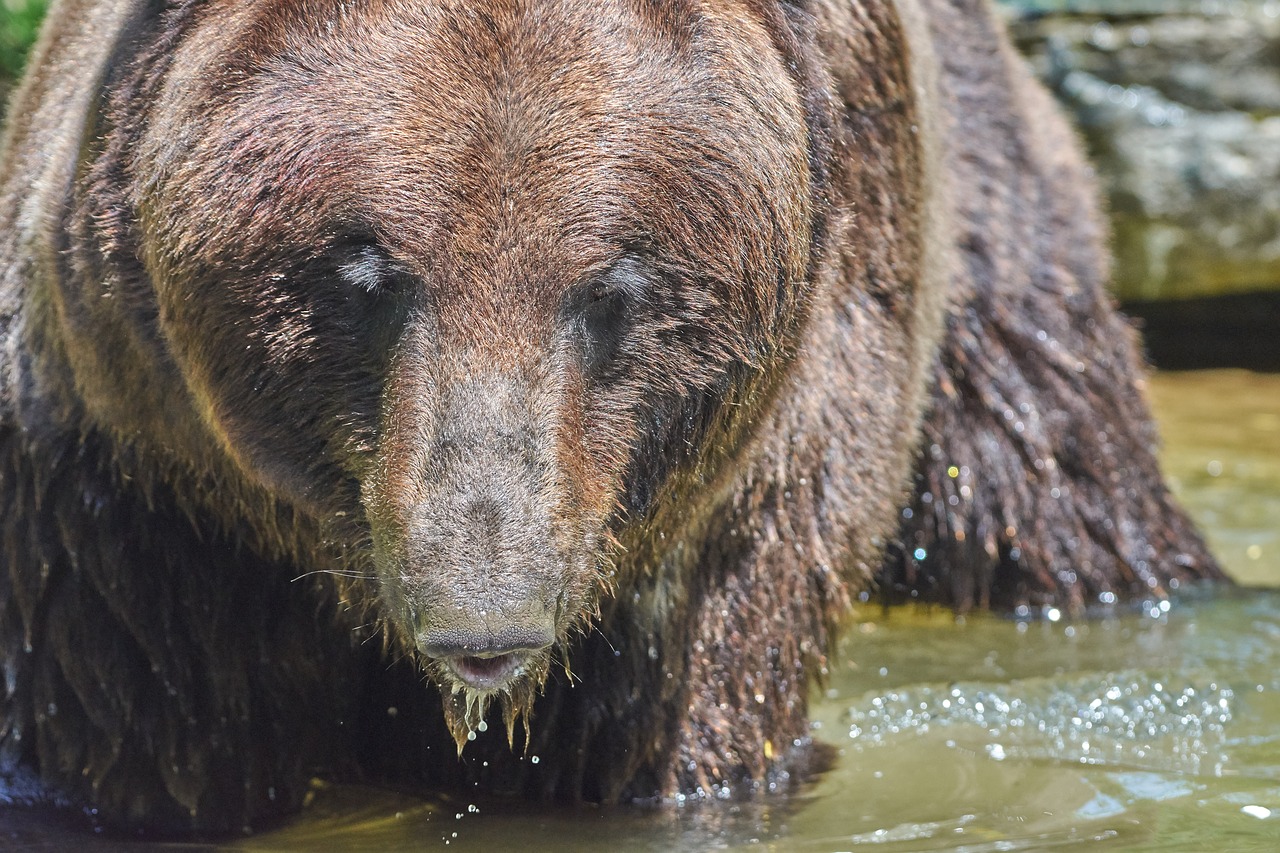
x=1179 y=104
x=19 y=20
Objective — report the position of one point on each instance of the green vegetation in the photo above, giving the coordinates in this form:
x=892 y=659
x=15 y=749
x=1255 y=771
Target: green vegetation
x=19 y=21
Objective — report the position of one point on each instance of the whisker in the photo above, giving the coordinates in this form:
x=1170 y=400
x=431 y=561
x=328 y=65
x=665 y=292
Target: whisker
x=403 y=655
x=603 y=636
x=341 y=573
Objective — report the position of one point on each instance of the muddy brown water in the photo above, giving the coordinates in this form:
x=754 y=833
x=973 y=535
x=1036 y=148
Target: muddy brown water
x=1157 y=730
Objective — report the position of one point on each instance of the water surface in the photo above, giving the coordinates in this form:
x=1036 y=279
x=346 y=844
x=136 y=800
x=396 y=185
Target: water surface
x=1157 y=730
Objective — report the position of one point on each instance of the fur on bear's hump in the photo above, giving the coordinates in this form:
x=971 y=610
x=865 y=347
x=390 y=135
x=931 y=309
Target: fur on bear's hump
x=347 y=346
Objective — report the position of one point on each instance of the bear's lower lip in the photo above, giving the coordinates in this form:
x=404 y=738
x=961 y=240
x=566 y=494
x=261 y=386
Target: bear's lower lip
x=487 y=672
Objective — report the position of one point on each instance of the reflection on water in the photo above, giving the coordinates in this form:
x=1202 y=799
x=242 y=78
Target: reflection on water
x=1139 y=731
x=1222 y=451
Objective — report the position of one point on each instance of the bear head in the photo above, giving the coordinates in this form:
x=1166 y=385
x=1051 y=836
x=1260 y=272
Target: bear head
x=483 y=274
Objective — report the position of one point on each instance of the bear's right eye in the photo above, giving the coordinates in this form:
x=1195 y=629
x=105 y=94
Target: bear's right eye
x=604 y=308
x=369 y=293
x=368 y=269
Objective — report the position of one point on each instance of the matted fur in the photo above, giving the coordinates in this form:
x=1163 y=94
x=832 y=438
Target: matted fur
x=336 y=332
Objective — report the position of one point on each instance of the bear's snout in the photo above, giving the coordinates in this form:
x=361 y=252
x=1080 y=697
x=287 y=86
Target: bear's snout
x=482 y=546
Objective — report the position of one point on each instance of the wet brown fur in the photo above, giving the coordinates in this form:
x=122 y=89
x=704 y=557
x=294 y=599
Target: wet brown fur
x=332 y=328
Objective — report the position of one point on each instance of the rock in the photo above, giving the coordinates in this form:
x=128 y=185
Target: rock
x=1181 y=111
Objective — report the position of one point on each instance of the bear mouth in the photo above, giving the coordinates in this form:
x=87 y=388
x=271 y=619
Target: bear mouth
x=487 y=672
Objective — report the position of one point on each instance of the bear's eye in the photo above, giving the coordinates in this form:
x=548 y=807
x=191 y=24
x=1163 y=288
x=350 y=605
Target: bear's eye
x=368 y=269
x=603 y=309
x=369 y=294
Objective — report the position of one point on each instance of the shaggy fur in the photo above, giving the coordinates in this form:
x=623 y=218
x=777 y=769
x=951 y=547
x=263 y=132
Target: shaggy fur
x=347 y=346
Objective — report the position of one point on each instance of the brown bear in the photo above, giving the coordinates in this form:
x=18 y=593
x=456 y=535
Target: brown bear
x=586 y=356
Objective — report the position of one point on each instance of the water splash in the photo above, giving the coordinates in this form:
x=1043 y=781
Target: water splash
x=1125 y=719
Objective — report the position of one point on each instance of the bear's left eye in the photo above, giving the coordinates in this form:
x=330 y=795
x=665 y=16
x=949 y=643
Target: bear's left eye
x=603 y=309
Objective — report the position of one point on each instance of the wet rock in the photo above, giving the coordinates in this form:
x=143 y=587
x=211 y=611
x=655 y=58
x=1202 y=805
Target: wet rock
x=1180 y=105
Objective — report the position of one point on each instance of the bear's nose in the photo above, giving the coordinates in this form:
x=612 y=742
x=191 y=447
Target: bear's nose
x=484 y=642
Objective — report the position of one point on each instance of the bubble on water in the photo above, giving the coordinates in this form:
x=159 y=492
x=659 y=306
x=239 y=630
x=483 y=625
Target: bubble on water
x=1260 y=812
x=1129 y=719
